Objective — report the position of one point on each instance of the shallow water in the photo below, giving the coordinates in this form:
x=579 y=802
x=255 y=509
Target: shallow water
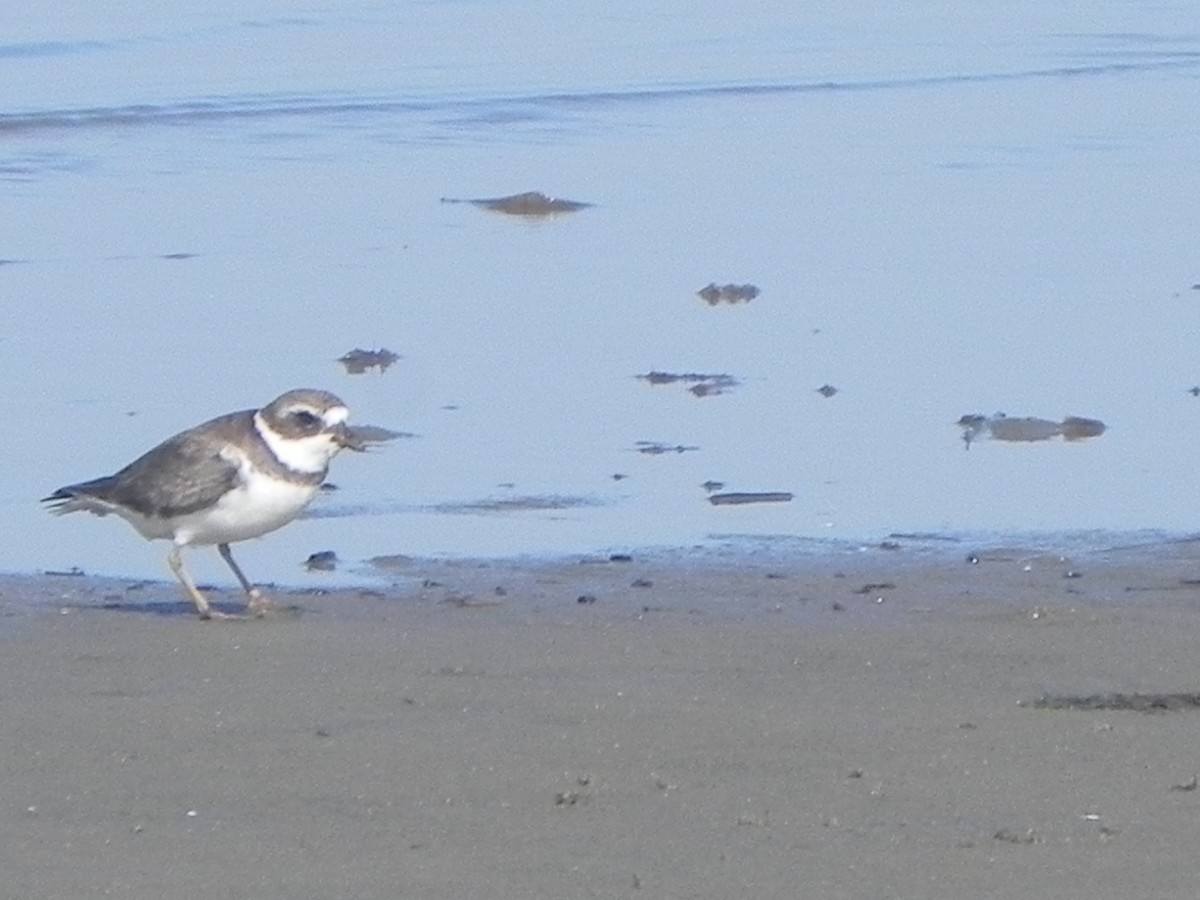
x=948 y=210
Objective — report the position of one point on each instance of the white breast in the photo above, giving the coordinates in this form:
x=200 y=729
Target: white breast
x=260 y=504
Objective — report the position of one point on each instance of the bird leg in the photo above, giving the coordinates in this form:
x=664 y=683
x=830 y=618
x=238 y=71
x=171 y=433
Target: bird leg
x=257 y=602
x=175 y=561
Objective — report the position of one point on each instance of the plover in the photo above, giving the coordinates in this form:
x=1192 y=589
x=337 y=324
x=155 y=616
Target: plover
x=235 y=477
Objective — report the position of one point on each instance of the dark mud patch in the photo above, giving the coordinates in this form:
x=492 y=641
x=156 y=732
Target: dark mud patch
x=655 y=448
x=531 y=204
x=1027 y=429
x=731 y=294
x=359 y=361
x=1148 y=703
x=1077 y=428
x=874 y=587
x=698 y=384
x=321 y=561
x=741 y=498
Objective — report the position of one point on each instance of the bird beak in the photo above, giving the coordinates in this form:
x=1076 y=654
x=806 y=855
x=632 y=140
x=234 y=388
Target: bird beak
x=344 y=436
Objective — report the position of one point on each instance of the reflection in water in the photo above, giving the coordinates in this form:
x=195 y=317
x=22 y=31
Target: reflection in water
x=365 y=435
x=700 y=385
x=1027 y=428
x=727 y=293
x=533 y=204
x=358 y=361
x=523 y=503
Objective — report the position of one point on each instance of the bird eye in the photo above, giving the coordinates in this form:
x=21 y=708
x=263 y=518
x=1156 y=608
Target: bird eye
x=306 y=419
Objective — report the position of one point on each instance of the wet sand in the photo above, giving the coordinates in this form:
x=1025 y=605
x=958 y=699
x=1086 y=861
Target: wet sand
x=713 y=728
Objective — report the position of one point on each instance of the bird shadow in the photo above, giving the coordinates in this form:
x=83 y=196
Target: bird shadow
x=164 y=609
x=182 y=609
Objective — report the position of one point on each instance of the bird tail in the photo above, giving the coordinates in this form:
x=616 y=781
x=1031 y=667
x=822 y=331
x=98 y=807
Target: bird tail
x=90 y=496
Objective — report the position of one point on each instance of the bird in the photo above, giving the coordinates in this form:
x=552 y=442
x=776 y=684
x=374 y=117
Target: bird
x=232 y=478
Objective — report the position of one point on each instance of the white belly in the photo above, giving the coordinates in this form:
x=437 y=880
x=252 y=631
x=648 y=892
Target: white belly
x=260 y=506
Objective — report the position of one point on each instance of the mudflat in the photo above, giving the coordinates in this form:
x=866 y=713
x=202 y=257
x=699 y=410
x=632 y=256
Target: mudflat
x=729 y=726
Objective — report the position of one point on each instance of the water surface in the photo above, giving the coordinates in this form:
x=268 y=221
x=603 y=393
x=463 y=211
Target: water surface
x=950 y=209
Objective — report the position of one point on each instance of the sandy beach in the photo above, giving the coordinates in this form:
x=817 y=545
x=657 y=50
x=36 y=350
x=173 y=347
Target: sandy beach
x=659 y=727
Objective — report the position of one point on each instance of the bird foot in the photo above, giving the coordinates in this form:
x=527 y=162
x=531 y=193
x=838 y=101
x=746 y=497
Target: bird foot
x=260 y=606
x=216 y=614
